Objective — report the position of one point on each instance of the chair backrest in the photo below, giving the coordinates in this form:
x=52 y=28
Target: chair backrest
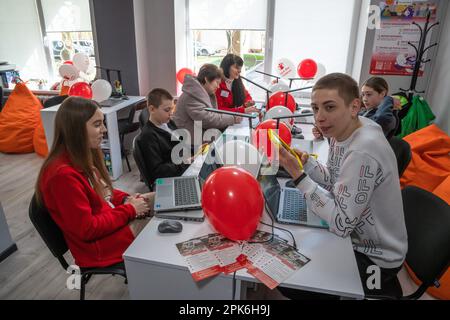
x=402 y=151
x=49 y=231
x=139 y=159
x=427 y=219
x=143 y=117
x=397 y=125
x=53 y=101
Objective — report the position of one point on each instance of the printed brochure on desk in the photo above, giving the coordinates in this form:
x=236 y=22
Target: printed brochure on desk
x=268 y=258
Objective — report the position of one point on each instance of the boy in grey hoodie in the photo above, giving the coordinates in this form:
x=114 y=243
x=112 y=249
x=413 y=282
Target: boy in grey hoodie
x=360 y=190
x=198 y=94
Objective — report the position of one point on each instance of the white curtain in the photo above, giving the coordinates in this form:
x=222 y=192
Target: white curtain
x=229 y=14
x=66 y=15
x=318 y=29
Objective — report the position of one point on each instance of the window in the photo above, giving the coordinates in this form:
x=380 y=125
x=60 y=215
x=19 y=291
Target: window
x=216 y=28
x=67 y=30
x=320 y=30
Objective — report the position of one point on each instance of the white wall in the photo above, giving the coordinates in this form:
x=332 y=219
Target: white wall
x=140 y=27
x=155 y=43
x=21 y=39
x=438 y=90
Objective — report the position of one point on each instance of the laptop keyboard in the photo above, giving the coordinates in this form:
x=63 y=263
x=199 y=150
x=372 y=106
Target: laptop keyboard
x=185 y=192
x=294 y=206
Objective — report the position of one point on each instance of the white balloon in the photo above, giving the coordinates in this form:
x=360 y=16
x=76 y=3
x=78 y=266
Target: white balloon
x=241 y=154
x=280 y=86
x=81 y=61
x=280 y=111
x=285 y=68
x=321 y=71
x=68 y=72
x=101 y=90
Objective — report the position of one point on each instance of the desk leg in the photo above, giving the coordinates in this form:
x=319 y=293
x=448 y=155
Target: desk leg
x=114 y=145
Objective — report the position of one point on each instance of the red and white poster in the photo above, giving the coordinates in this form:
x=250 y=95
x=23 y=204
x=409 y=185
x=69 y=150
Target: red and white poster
x=391 y=53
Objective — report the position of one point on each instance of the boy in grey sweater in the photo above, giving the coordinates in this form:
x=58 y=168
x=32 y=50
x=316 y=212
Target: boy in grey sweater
x=359 y=194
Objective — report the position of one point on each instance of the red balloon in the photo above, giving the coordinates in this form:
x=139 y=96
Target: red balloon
x=182 y=73
x=261 y=137
x=68 y=62
x=307 y=69
x=231 y=211
x=81 y=89
x=279 y=99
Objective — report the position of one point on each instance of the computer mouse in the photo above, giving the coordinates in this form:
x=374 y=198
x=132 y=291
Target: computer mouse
x=305 y=111
x=170 y=226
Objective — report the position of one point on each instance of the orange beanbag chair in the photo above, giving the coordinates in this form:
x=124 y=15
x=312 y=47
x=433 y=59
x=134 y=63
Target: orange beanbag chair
x=429 y=169
x=18 y=120
x=39 y=141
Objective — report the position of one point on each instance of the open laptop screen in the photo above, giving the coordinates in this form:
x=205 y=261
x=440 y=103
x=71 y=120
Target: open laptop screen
x=271 y=190
x=209 y=164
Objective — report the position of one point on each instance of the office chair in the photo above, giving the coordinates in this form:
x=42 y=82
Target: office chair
x=143 y=117
x=427 y=219
x=53 y=101
x=140 y=163
x=54 y=239
x=127 y=126
x=402 y=152
x=397 y=127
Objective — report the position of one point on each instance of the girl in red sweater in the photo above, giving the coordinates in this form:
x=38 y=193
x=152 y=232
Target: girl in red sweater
x=75 y=187
x=231 y=94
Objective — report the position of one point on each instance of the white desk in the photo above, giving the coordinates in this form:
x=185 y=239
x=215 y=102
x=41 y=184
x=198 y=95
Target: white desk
x=48 y=119
x=156 y=270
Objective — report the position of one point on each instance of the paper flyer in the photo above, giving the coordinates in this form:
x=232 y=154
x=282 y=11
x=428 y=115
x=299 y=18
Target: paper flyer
x=267 y=257
x=226 y=252
x=391 y=54
x=201 y=262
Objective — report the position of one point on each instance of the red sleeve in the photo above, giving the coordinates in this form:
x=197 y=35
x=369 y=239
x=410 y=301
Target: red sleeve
x=118 y=197
x=69 y=199
x=225 y=103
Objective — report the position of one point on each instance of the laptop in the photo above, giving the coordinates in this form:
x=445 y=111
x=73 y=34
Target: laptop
x=110 y=102
x=287 y=205
x=180 y=197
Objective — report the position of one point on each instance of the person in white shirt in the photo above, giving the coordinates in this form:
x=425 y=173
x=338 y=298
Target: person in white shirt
x=358 y=191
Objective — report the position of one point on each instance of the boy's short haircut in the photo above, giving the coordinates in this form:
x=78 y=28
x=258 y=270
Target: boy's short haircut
x=346 y=86
x=155 y=97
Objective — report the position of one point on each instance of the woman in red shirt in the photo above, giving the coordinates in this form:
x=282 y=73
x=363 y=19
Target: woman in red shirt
x=75 y=187
x=231 y=94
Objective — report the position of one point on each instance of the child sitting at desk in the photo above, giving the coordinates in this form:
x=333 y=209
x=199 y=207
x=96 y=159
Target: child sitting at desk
x=360 y=195
x=159 y=137
x=377 y=106
x=74 y=185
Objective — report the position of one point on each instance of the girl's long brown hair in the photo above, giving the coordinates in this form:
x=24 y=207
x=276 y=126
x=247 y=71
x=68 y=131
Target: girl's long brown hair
x=71 y=136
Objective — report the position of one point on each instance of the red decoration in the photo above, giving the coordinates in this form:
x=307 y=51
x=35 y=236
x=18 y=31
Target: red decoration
x=81 y=89
x=68 y=62
x=261 y=137
x=232 y=212
x=182 y=73
x=307 y=69
x=279 y=99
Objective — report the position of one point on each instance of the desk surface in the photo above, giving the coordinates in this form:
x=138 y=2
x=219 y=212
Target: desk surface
x=332 y=268
x=106 y=110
